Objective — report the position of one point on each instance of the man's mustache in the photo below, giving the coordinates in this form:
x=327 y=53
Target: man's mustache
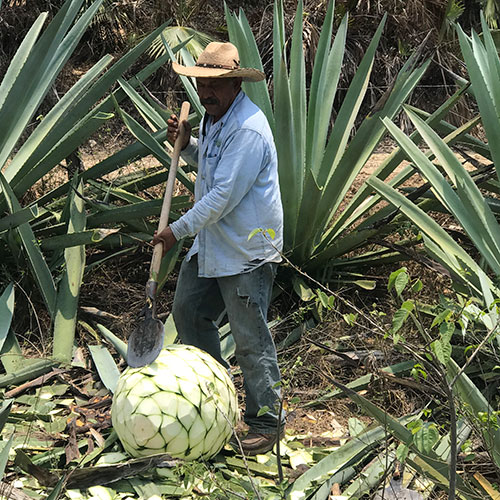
x=209 y=101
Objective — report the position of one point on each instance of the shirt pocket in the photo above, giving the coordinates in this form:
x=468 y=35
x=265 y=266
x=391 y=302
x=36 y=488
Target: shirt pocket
x=211 y=162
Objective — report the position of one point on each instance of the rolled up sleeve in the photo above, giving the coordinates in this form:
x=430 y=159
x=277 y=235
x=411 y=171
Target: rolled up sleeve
x=190 y=152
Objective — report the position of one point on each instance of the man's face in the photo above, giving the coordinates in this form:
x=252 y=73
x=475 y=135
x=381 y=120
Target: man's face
x=217 y=94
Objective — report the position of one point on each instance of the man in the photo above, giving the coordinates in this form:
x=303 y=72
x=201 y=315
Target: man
x=236 y=191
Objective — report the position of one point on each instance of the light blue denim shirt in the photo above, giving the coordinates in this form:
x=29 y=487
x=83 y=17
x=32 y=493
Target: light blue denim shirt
x=236 y=191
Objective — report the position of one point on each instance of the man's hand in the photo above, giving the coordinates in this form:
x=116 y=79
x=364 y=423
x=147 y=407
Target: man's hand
x=173 y=131
x=166 y=238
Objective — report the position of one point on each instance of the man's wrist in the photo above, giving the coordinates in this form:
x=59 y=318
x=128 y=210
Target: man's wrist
x=174 y=228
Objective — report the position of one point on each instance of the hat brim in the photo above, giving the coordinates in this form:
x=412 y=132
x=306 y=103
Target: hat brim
x=246 y=74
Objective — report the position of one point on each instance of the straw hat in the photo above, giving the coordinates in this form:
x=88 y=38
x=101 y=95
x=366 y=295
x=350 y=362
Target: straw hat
x=219 y=60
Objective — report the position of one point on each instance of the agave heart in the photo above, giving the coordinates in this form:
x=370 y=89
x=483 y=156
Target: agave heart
x=183 y=404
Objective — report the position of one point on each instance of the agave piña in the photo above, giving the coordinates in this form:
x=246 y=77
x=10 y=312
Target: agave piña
x=183 y=404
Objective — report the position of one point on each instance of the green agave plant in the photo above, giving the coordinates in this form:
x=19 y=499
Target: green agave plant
x=48 y=236
x=318 y=162
x=455 y=189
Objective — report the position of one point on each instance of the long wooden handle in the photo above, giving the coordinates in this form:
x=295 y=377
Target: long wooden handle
x=167 y=198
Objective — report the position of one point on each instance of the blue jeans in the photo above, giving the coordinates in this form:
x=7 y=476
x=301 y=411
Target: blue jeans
x=199 y=302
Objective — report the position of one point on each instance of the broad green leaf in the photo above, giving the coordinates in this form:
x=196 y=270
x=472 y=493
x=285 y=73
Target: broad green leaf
x=425 y=438
x=341 y=478
x=144 y=489
x=195 y=41
x=402 y=452
x=298 y=457
x=398 y=280
x=105 y=493
x=401 y=315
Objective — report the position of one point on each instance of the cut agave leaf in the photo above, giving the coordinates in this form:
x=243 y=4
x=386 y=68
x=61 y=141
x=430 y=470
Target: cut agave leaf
x=4 y=455
x=106 y=366
x=427 y=462
x=335 y=462
x=34 y=369
x=5 y=407
x=6 y=312
x=370 y=476
x=118 y=344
